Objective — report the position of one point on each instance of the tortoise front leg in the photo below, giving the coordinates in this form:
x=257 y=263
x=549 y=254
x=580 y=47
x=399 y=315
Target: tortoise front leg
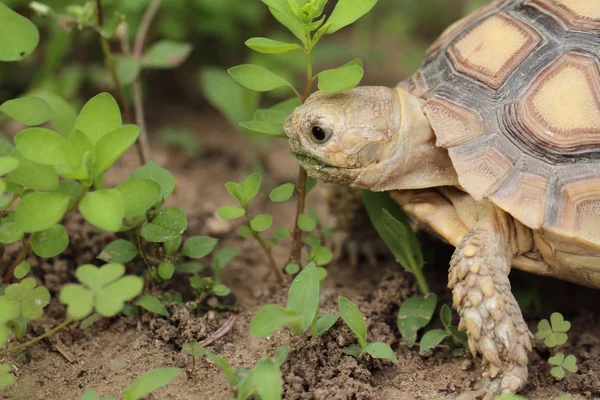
x=488 y=311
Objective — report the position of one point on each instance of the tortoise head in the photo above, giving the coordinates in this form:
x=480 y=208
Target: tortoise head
x=350 y=137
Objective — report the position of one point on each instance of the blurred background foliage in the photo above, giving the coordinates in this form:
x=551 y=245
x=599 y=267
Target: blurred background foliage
x=391 y=40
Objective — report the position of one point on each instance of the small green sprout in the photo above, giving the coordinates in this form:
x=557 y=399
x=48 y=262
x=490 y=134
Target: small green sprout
x=141 y=387
x=264 y=379
x=356 y=322
x=562 y=363
x=152 y=304
x=26 y=300
x=104 y=289
x=435 y=336
x=554 y=334
x=6 y=376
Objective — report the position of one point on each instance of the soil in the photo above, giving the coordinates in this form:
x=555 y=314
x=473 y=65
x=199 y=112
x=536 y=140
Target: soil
x=111 y=353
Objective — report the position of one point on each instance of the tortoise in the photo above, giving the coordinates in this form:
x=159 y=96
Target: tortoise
x=494 y=144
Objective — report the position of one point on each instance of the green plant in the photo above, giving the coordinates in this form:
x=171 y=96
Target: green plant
x=305 y=21
x=554 y=333
x=263 y=380
x=435 y=336
x=301 y=311
x=356 y=322
x=141 y=387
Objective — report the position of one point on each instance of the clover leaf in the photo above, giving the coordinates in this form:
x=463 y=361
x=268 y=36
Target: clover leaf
x=104 y=289
x=6 y=378
x=554 y=332
x=25 y=299
x=562 y=363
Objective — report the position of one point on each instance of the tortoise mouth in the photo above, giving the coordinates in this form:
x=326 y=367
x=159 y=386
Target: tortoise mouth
x=311 y=162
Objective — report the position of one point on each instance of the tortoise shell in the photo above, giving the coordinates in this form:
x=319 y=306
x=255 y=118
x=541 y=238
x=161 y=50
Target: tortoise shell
x=513 y=92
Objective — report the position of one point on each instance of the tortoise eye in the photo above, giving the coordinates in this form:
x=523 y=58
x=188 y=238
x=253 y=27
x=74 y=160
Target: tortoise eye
x=319 y=134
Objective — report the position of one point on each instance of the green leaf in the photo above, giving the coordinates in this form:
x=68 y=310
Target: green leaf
x=432 y=338
x=6 y=376
x=446 y=316
x=149 y=382
x=50 y=242
x=79 y=300
x=257 y=78
x=166 y=54
x=281 y=233
x=10 y=233
x=558 y=323
x=170 y=223
x=353 y=351
x=38 y=211
x=73 y=189
x=104 y=209
x=269 y=46
x=172 y=245
x=223 y=365
x=159 y=175
x=557 y=359
x=270 y=318
x=321 y=255
x=220 y=290
x=152 y=304
x=570 y=363
x=325 y=322
x=112 y=145
x=558 y=372
x=306 y=222
x=381 y=350
x=261 y=222
x=166 y=270
x=18 y=36
x=303 y=296
x=264 y=128
x=348 y=11
x=290 y=22
x=128 y=69
x=246 y=232
x=99 y=116
x=354 y=319
x=22 y=270
x=79 y=152
x=139 y=195
x=340 y=79
x=30 y=111
x=41 y=146
x=118 y=251
x=250 y=187
x=8 y=164
x=292 y=269
x=281 y=354
x=63 y=114
x=223 y=257
x=29 y=298
x=230 y=212
x=111 y=299
x=282 y=193
x=267 y=380
x=415 y=313
x=199 y=246
x=33 y=175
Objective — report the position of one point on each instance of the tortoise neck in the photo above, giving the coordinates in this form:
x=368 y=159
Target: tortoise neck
x=418 y=162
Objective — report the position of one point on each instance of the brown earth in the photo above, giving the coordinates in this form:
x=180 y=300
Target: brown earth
x=111 y=353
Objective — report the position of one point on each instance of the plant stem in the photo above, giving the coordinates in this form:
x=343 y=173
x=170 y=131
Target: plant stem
x=143 y=144
x=110 y=63
x=267 y=250
x=421 y=281
x=37 y=339
x=296 y=255
x=142 y=253
x=23 y=254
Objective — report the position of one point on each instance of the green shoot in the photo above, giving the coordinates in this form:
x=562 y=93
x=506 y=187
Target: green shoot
x=554 y=333
x=356 y=322
x=414 y=314
x=141 y=387
x=435 y=336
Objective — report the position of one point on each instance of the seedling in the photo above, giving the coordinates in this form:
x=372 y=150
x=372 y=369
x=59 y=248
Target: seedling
x=356 y=322
x=301 y=311
x=435 y=336
x=264 y=379
x=554 y=334
x=141 y=387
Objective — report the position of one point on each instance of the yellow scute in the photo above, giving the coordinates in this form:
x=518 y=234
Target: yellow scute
x=566 y=101
x=583 y=8
x=491 y=45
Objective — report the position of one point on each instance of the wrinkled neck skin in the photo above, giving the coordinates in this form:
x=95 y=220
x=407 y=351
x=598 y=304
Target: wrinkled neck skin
x=414 y=162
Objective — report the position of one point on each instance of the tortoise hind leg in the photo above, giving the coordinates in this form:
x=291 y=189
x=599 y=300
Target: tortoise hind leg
x=488 y=311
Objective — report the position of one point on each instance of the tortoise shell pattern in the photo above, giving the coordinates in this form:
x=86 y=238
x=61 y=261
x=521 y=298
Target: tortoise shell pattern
x=513 y=92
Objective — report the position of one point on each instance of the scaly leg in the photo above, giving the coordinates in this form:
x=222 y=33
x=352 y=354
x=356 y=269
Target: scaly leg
x=488 y=311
